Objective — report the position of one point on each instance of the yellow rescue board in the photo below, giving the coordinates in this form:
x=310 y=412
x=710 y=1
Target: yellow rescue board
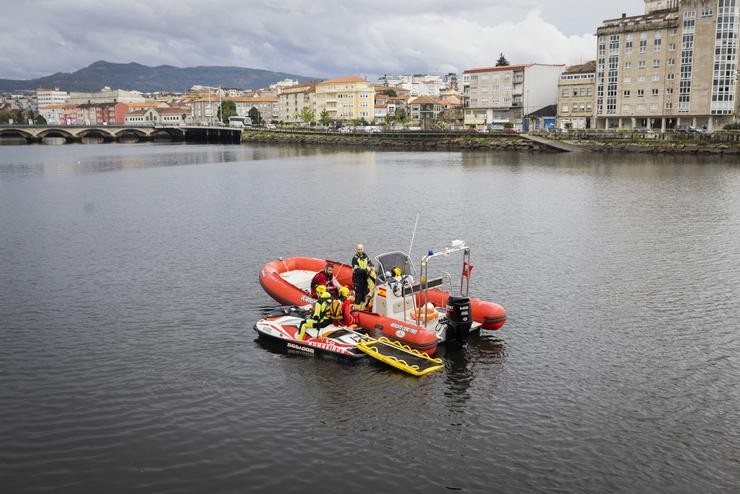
x=400 y=356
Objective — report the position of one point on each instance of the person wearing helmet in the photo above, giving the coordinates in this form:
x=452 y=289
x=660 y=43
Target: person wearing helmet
x=362 y=271
x=320 y=315
x=325 y=277
x=340 y=310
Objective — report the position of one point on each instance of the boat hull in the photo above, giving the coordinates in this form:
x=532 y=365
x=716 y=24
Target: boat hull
x=275 y=278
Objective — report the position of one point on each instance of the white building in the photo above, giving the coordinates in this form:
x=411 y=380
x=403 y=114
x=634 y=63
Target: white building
x=417 y=84
x=106 y=95
x=497 y=96
x=51 y=96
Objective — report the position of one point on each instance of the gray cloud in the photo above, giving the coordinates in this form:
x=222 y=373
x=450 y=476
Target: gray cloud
x=321 y=38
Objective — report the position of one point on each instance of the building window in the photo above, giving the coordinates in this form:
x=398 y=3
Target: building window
x=656 y=77
x=626 y=93
x=641 y=64
x=564 y=108
x=565 y=92
x=706 y=12
x=657 y=44
x=627 y=65
x=671 y=61
x=640 y=93
x=670 y=77
x=654 y=91
x=625 y=108
x=627 y=79
x=669 y=90
x=653 y=107
x=656 y=63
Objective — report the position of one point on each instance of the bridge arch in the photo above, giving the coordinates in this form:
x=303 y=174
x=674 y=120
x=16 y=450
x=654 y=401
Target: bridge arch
x=97 y=132
x=56 y=132
x=17 y=133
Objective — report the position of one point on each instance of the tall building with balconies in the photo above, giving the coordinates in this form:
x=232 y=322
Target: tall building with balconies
x=576 y=89
x=497 y=96
x=674 y=65
x=292 y=100
x=346 y=98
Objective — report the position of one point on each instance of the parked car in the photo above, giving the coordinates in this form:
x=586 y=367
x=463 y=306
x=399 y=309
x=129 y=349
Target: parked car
x=270 y=126
x=642 y=130
x=685 y=129
x=345 y=130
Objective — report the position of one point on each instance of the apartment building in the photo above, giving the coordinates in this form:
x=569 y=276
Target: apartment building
x=105 y=96
x=51 y=96
x=346 y=98
x=204 y=111
x=674 y=65
x=267 y=106
x=497 y=96
x=576 y=89
x=293 y=99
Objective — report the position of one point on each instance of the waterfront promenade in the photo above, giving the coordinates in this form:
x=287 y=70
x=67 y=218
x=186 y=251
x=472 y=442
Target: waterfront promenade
x=718 y=143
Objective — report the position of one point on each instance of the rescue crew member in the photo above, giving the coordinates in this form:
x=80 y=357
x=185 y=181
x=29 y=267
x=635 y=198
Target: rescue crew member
x=361 y=266
x=320 y=316
x=326 y=278
x=340 y=310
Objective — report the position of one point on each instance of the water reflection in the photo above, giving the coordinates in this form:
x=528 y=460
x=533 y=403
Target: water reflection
x=482 y=355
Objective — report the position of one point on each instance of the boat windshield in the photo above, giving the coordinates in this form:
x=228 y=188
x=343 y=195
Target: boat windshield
x=386 y=263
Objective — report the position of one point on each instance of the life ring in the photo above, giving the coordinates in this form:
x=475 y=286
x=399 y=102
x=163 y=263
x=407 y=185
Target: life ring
x=424 y=314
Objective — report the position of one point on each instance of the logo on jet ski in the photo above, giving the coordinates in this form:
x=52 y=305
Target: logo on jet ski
x=300 y=348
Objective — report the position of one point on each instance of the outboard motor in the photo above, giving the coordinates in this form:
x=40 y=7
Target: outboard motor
x=459 y=319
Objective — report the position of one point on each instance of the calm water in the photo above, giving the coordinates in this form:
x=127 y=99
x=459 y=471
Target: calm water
x=128 y=291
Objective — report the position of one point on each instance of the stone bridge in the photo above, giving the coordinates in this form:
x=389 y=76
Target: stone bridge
x=120 y=133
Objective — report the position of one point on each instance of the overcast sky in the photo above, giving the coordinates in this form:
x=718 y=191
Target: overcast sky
x=317 y=38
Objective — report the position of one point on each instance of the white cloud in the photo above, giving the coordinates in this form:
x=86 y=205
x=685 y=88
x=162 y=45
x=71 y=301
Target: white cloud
x=312 y=38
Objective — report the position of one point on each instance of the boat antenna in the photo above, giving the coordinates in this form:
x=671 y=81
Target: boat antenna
x=414 y=233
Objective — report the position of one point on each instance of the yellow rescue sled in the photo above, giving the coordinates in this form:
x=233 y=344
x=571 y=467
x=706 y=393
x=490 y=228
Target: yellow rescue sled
x=399 y=356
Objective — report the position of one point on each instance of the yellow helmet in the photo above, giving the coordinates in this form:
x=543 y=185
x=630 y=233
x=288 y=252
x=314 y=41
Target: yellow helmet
x=396 y=271
x=320 y=289
x=344 y=291
x=324 y=295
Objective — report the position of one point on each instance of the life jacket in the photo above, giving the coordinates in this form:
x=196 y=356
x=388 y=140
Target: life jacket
x=321 y=309
x=362 y=261
x=335 y=311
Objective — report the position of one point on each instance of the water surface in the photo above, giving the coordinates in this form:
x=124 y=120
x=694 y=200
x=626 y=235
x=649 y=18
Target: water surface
x=128 y=291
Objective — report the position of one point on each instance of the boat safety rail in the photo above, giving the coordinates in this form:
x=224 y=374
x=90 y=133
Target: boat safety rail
x=457 y=246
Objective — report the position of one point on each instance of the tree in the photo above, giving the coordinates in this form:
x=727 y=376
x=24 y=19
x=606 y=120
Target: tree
x=389 y=119
x=401 y=115
x=39 y=120
x=392 y=93
x=254 y=114
x=502 y=61
x=324 y=117
x=226 y=110
x=307 y=115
